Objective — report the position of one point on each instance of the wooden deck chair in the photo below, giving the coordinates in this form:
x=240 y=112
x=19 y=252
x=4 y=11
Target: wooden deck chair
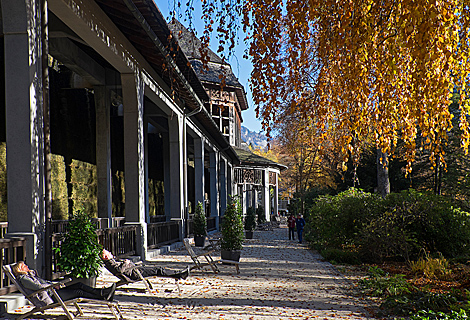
x=207 y=255
x=113 y=306
x=123 y=280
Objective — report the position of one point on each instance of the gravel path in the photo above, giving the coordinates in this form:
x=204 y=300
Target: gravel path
x=279 y=279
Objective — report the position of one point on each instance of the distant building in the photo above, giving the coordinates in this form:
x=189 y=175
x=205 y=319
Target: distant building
x=255 y=178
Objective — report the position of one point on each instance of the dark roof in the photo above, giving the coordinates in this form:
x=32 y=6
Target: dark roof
x=213 y=72
x=249 y=158
x=124 y=19
x=158 y=52
x=190 y=45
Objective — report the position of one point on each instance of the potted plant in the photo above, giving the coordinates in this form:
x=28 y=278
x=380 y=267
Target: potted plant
x=261 y=215
x=232 y=231
x=79 y=252
x=250 y=222
x=199 y=225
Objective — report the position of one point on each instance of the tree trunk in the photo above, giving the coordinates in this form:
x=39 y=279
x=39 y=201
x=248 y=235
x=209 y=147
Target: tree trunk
x=383 y=182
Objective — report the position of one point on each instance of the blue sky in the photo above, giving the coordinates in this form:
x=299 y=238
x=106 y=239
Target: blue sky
x=240 y=67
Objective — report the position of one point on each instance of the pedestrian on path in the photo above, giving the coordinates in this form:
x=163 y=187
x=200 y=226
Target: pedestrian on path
x=300 y=223
x=291 y=225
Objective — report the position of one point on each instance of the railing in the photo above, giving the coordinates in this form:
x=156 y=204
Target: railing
x=3 y=229
x=211 y=223
x=120 y=241
x=118 y=221
x=11 y=250
x=158 y=218
x=162 y=233
x=56 y=240
x=59 y=226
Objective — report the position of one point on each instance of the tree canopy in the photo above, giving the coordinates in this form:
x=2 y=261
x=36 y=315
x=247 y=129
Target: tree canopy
x=377 y=70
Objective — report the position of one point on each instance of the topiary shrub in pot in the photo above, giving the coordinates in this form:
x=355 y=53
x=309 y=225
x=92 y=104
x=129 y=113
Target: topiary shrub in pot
x=79 y=252
x=232 y=231
x=250 y=222
x=199 y=225
x=261 y=216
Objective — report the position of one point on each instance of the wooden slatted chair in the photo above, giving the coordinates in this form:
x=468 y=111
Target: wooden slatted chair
x=113 y=306
x=195 y=257
x=123 y=280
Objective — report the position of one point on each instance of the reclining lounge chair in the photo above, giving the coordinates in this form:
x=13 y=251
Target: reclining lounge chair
x=113 y=306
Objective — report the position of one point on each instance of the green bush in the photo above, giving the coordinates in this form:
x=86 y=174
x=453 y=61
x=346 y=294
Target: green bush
x=261 y=217
x=436 y=223
x=232 y=227
x=250 y=219
x=199 y=223
x=381 y=284
x=419 y=300
x=401 y=298
x=79 y=252
x=334 y=221
x=340 y=256
x=431 y=315
x=396 y=227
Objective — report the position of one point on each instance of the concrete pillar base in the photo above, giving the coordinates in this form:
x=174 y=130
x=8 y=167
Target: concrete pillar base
x=141 y=239
x=33 y=259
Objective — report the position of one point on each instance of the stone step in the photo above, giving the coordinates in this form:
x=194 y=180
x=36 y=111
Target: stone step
x=12 y=301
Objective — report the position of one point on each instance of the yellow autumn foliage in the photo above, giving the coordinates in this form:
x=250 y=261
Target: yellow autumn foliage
x=360 y=68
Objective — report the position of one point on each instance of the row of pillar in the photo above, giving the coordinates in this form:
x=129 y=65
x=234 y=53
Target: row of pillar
x=135 y=129
x=250 y=194
x=25 y=156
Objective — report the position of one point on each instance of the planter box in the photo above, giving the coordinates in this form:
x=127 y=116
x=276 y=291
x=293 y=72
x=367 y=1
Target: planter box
x=199 y=241
x=230 y=255
x=91 y=282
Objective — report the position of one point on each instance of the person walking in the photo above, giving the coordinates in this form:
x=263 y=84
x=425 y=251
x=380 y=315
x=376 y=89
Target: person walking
x=291 y=226
x=300 y=223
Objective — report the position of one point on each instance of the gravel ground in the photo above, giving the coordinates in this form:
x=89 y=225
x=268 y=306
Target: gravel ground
x=279 y=279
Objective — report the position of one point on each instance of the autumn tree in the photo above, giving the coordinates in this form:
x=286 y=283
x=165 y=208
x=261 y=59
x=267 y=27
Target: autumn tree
x=382 y=69
x=312 y=160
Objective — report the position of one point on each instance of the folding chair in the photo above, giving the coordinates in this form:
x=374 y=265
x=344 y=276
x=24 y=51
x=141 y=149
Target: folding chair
x=123 y=280
x=113 y=306
x=195 y=257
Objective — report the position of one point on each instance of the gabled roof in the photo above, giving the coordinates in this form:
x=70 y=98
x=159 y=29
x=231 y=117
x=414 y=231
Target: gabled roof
x=248 y=158
x=191 y=45
x=213 y=72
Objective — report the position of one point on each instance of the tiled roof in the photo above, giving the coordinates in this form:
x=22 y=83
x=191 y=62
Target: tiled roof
x=215 y=69
x=249 y=158
x=190 y=45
